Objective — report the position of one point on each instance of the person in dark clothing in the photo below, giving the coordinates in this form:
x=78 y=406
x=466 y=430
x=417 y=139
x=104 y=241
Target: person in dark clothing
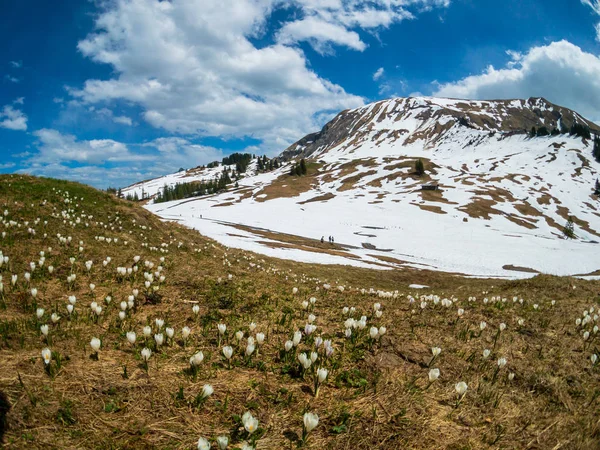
x=322 y=239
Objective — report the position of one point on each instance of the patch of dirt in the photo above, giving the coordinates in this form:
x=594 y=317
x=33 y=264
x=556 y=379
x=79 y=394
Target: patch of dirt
x=519 y=268
x=319 y=198
x=431 y=208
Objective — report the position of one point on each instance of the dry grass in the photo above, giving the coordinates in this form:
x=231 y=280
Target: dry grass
x=376 y=396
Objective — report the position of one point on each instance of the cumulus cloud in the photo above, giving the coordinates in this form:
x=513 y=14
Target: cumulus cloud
x=106 y=162
x=378 y=74
x=561 y=72
x=13 y=119
x=207 y=78
x=55 y=147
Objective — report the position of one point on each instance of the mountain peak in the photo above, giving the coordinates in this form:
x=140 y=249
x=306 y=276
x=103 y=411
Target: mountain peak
x=430 y=120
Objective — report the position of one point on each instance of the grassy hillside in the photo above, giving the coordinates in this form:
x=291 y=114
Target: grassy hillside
x=376 y=394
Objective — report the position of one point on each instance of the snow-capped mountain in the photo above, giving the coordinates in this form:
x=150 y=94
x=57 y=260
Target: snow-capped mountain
x=501 y=201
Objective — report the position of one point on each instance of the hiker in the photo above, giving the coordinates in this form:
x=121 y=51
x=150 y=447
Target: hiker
x=322 y=239
x=332 y=240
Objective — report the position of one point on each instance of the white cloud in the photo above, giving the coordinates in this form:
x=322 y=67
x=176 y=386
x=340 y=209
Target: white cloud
x=16 y=64
x=104 y=162
x=595 y=5
x=378 y=74
x=336 y=21
x=206 y=77
x=55 y=147
x=109 y=115
x=12 y=79
x=19 y=101
x=561 y=72
x=13 y=119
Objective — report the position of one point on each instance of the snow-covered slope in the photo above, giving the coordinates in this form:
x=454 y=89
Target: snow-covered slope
x=503 y=201
x=149 y=188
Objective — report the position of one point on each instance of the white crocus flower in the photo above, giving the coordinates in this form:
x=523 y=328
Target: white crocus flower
x=434 y=374
x=461 y=388
x=311 y=421
x=222 y=442
x=47 y=355
x=95 y=344
x=203 y=444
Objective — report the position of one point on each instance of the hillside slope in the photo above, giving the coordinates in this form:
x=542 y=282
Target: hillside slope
x=503 y=201
x=377 y=393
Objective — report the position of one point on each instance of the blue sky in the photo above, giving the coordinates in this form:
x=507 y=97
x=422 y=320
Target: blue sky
x=114 y=91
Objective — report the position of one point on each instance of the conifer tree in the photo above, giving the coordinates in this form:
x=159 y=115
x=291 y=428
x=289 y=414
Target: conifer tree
x=569 y=229
x=419 y=168
x=303 y=166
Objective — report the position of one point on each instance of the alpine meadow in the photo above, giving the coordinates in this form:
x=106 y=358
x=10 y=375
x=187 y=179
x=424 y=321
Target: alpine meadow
x=269 y=224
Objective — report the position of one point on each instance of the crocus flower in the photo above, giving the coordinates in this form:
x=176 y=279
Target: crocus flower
x=203 y=444
x=44 y=329
x=228 y=352
x=250 y=423
x=222 y=442
x=46 y=356
x=39 y=312
x=374 y=332
x=297 y=337
x=159 y=339
x=131 y=337
x=207 y=391
x=434 y=374
x=311 y=421
x=222 y=328
x=146 y=353
x=461 y=388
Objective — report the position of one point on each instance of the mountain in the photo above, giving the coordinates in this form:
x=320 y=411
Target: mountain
x=499 y=202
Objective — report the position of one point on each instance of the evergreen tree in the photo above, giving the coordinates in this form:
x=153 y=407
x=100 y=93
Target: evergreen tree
x=293 y=169
x=569 y=229
x=596 y=150
x=119 y=193
x=533 y=132
x=555 y=132
x=597 y=190
x=419 y=168
x=298 y=170
x=542 y=131
x=135 y=197
x=303 y=166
